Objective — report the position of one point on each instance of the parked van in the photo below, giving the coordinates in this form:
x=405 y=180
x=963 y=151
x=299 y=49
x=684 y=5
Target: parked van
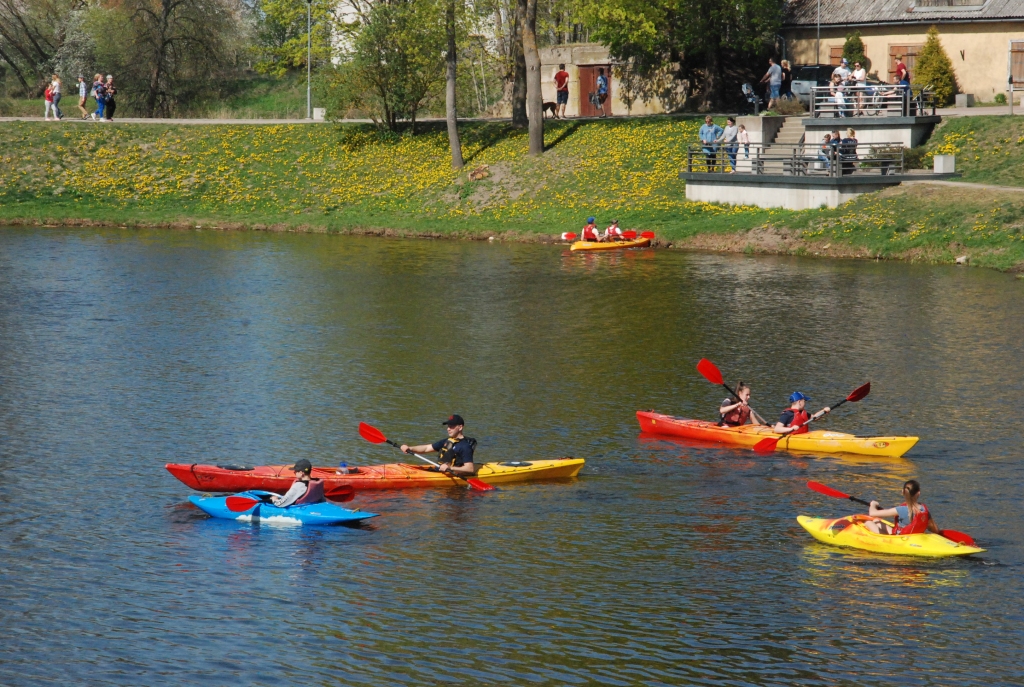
x=807 y=76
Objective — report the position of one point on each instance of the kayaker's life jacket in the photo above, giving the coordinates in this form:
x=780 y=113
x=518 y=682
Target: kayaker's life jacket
x=800 y=417
x=314 y=493
x=448 y=455
x=589 y=233
x=736 y=417
x=918 y=522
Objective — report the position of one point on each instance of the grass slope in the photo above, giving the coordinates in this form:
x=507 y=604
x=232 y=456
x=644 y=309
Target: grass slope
x=351 y=178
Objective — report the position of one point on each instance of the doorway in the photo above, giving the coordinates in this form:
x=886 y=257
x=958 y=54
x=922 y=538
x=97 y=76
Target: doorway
x=588 y=85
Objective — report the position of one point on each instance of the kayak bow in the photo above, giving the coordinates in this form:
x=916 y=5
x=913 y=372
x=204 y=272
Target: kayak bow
x=850 y=531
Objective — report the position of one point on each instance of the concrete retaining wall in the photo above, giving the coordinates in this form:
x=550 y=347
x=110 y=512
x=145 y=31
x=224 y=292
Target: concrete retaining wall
x=910 y=131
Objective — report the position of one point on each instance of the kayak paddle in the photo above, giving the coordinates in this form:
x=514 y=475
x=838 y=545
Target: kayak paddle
x=567 y=236
x=341 y=492
x=709 y=370
x=952 y=535
x=375 y=436
x=768 y=445
x=240 y=504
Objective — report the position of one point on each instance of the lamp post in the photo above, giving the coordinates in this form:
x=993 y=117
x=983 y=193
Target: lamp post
x=309 y=57
x=817 y=45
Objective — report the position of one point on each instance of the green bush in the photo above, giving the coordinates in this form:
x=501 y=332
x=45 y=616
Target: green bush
x=935 y=69
x=1000 y=98
x=914 y=158
x=853 y=51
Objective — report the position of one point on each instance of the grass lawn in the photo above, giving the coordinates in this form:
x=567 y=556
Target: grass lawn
x=340 y=178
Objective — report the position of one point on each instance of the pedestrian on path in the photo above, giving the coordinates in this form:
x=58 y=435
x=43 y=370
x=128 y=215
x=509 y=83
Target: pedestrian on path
x=111 y=104
x=602 y=90
x=774 y=79
x=787 y=81
x=98 y=90
x=55 y=91
x=83 y=93
x=561 y=91
x=48 y=103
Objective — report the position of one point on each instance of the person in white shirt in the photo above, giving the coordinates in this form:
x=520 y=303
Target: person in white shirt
x=859 y=77
x=843 y=70
x=55 y=91
x=613 y=233
x=728 y=138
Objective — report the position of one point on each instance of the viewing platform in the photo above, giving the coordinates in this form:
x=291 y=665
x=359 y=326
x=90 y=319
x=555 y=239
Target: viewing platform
x=795 y=176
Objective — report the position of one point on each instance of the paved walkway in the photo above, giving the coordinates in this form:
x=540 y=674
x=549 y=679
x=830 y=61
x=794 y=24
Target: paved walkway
x=979 y=111
x=967 y=184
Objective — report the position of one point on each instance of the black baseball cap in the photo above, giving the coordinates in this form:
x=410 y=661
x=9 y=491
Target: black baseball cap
x=302 y=465
x=454 y=421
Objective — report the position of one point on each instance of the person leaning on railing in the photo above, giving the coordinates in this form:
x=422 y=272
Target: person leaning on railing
x=709 y=135
x=825 y=153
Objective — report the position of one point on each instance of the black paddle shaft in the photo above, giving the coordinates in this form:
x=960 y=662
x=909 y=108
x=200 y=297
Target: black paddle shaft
x=737 y=397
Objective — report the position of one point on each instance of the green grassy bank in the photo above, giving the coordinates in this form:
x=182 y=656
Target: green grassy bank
x=352 y=178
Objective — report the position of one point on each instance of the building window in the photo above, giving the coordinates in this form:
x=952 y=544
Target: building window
x=948 y=3
x=909 y=52
x=835 y=55
x=1017 y=62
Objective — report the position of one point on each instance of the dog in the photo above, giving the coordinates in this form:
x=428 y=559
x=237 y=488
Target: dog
x=548 y=106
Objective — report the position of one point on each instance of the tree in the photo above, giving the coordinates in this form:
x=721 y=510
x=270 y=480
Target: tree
x=451 y=56
x=853 y=51
x=282 y=39
x=534 y=99
x=935 y=69
x=167 y=50
x=710 y=41
x=394 y=60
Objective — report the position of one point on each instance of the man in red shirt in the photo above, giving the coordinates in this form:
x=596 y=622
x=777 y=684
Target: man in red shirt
x=562 y=90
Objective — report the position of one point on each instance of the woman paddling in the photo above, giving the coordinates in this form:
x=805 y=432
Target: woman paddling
x=910 y=517
x=735 y=410
x=794 y=419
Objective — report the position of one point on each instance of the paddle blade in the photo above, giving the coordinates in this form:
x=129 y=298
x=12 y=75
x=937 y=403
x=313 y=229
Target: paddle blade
x=710 y=371
x=827 y=491
x=479 y=485
x=371 y=434
x=341 y=492
x=958 y=537
x=239 y=504
x=647 y=234
x=767 y=445
x=859 y=393
x=629 y=235
x=569 y=236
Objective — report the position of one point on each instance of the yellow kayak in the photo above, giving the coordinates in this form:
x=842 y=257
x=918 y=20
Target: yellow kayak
x=850 y=531
x=610 y=245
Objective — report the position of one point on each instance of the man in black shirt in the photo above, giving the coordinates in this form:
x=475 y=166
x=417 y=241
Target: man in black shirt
x=456 y=452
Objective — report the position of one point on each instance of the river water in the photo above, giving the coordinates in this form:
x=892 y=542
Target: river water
x=663 y=563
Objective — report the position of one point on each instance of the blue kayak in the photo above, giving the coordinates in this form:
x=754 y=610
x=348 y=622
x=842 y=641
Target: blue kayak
x=254 y=506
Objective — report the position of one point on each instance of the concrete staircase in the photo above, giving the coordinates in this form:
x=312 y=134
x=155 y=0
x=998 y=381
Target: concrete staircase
x=792 y=132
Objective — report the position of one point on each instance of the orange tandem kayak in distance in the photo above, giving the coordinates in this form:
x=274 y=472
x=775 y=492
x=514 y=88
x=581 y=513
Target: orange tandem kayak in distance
x=610 y=245
x=817 y=441
x=278 y=478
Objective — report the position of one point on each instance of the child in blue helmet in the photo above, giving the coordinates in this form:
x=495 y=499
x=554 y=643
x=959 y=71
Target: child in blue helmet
x=590 y=231
x=794 y=419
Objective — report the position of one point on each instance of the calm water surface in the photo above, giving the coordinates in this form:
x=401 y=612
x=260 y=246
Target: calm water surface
x=664 y=563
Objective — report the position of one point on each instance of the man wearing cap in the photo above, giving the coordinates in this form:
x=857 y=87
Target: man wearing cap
x=456 y=451
x=303 y=489
x=794 y=418
x=843 y=70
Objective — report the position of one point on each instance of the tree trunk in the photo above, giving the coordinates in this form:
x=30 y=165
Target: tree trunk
x=17 y=72
x=519 y=120
x=449 y=90
x=533 y=93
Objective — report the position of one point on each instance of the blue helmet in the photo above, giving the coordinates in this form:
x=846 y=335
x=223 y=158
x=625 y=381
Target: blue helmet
x=590 y=220
x=797 y=396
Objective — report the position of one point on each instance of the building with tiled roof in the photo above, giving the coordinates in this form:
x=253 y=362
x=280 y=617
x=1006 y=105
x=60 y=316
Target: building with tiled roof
x=983 y=38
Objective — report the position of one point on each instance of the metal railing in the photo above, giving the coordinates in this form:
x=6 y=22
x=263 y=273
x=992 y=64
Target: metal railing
x=886 y=100
x=797 y=159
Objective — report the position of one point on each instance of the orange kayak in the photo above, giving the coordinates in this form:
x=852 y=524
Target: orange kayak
x=817 y=441
x=277 y=478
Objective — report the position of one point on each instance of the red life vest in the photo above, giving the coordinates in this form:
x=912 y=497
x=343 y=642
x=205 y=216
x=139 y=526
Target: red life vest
x=314 y=493
x=800 y=417
x=737 y=417
x=590 y=233
x=918 y=522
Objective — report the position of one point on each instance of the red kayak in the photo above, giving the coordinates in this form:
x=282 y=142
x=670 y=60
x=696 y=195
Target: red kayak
x=277 y=478
x=817 y=441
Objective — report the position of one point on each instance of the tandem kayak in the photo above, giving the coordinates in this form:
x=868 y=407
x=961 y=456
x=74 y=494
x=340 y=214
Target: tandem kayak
x=850 y=531
x=252 y=506
x=818 y=440
x=610 y=245
x=277 y=478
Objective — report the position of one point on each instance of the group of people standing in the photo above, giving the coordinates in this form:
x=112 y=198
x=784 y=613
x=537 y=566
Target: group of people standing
x=729 y=139
x=849 y=87
x=779 y=78
x=102 y=91
x=838 y=149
